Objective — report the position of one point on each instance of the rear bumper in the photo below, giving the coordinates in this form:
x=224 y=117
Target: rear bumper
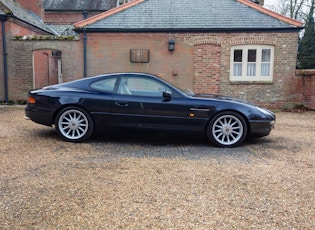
x=42 y=116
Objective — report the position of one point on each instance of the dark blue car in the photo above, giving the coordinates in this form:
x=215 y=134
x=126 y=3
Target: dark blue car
x=133 y=101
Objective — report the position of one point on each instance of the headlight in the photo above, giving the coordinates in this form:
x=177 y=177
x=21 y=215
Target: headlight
x=264 y=111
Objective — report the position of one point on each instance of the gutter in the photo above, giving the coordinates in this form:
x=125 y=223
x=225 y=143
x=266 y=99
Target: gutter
x=85 y=53
x=85 y=15
x=184 y=30
x=75 y=11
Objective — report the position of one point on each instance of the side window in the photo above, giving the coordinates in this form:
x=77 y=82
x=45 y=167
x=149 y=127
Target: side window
x=105 y=85
x=140 y=86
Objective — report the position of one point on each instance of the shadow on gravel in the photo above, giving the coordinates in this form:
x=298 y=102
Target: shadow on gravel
x=169 y=146
x=107 y=146
x=46 y=133
x=151 y=139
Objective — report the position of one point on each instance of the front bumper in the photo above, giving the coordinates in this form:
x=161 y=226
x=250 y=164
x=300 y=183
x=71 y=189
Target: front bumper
x=261 y=128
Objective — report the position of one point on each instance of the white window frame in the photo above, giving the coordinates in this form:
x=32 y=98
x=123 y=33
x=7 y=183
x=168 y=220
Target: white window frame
x=254 y=75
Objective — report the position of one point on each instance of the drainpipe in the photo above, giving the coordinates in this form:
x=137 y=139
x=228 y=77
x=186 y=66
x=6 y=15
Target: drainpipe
x=5 y=65
x=85 y=53
x=85 y=15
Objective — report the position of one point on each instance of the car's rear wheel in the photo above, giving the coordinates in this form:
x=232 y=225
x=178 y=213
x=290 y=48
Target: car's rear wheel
x=74 y=124
x=227 y=129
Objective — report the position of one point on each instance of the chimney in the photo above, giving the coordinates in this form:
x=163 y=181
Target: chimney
x=35 y=6
x=260 y=2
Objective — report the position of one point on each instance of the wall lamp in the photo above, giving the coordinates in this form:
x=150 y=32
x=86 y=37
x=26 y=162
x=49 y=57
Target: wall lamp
x=171 y=45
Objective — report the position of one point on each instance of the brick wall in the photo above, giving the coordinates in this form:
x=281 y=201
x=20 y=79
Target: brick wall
x=20 y=63
x=16 y=28
x=37 y=7
x=65 y=17
x=34 y=5
x=200 y=61
x=273 y=94
x=2 y=91
x=207 y=59
x=306 y=83
x=110 y=52
x=19 y=60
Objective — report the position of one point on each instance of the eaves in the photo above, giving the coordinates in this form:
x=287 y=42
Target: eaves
x=31 y=25
x=187 y=30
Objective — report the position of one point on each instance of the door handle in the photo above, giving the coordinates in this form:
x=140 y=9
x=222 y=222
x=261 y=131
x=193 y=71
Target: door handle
x=121 y=103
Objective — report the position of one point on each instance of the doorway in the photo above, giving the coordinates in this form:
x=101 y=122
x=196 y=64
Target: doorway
x=47 y=68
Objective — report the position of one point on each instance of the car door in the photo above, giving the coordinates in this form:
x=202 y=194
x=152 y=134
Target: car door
x=140 y=103
x=100 y=105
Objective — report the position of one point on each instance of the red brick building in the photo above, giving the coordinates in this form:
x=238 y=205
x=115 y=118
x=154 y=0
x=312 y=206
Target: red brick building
x=231 y=47
x=38 y=43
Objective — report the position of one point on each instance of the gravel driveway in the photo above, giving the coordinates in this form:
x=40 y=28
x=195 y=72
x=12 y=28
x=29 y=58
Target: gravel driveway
x=143 y=182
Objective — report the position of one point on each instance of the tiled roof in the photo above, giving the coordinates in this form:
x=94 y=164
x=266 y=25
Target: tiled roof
x=79 y=5
x=63 y=30
x=271 y=13
x=12 y=9
x=185 y=15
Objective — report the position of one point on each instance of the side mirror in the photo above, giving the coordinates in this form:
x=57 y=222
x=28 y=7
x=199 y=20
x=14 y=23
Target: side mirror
x=167 y=95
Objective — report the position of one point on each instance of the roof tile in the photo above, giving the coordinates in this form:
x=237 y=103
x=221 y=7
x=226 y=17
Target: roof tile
x=79 y=5
x=11 y=8
x=185 y=15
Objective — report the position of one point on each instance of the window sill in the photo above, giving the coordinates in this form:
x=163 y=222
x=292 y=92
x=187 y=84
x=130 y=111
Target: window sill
x=244 y=82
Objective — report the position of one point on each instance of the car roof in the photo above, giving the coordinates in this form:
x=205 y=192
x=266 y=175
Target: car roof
x=84 y=83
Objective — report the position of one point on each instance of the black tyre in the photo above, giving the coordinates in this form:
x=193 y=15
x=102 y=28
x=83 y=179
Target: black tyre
x=227 y=129
x=74 y=124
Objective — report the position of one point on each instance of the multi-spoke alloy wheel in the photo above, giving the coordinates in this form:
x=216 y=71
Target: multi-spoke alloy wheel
x=227 y=129
x=74 y=124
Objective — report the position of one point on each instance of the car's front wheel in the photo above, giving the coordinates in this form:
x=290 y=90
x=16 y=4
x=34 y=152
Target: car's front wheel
x=74 y=124
x=227 y=129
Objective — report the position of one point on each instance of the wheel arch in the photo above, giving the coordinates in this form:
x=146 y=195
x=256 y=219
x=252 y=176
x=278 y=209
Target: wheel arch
x=231 y=110
x=70 y=105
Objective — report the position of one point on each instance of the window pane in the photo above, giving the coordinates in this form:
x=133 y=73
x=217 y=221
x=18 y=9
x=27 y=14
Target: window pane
x=237 y=69
x=238 y=55
x=106 y=85
x=251 y=55
x=143 y=84
x=265 y=69
x=265 y=56
x=144 y=87
x=251 y=69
